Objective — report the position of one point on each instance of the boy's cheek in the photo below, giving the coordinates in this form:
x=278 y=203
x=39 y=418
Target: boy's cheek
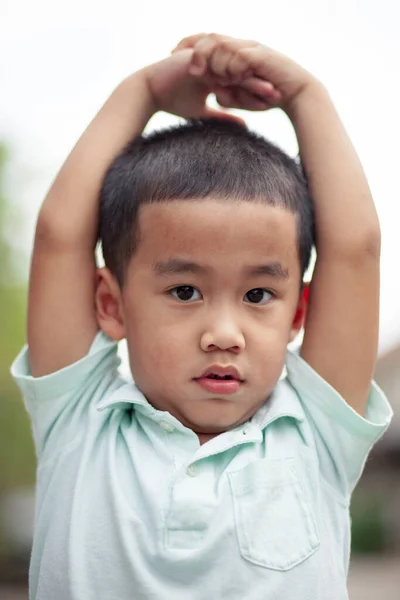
x=154 y=348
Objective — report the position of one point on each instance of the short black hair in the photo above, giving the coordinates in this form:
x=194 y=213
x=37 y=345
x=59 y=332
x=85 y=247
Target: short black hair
x=202 y=158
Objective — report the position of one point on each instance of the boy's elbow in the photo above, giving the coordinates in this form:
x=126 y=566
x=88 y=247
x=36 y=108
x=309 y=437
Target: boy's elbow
x=357 y=247
x=59 y=231
x=50 y=232
x=365 y=236
x=368 y=245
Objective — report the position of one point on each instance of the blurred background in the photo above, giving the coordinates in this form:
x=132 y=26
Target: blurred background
x=58 y=64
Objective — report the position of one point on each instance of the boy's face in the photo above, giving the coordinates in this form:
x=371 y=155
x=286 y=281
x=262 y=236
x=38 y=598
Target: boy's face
x=236 y=308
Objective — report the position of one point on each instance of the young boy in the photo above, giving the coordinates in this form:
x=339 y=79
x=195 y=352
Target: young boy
x=209 y=476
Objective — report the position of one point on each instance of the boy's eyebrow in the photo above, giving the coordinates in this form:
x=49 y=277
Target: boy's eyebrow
x=177 y=265
x=275 y=269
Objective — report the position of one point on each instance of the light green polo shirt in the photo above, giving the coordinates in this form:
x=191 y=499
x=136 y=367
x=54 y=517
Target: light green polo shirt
x=131 y=507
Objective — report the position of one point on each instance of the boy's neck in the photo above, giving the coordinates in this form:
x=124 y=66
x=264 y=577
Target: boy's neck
x=205 y=437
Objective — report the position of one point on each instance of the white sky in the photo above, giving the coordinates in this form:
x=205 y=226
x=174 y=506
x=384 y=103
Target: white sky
x=59 y=61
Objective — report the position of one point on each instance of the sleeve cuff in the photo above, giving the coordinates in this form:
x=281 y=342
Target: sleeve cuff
x=314 y=389
x=66 y=379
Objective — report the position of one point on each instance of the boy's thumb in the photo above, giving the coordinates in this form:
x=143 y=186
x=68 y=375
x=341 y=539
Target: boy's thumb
x=210 y=113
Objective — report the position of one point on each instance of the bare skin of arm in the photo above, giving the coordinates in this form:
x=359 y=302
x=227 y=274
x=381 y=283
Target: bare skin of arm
x=341 y=332
x=61 y=309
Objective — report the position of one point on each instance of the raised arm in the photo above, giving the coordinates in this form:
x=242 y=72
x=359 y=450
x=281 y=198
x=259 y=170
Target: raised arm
x=61 y=311
x=341 y=333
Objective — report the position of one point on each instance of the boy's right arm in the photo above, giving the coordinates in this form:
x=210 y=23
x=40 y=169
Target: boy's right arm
x=61 y=310
x=61 y=307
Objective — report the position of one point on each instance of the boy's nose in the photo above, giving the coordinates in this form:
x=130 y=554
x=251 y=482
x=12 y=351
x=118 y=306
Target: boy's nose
x=224 y=334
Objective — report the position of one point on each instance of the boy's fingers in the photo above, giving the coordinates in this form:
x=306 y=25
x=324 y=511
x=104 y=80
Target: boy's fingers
x=261 y=88
x=251 y=102
x=201 y=54
x=227 y=62
x=204 y=49
x=238 y=68
x=241 y=62
x=223 y=52
x=254 y=86
x=240 y=98
x=189 y=42
x=225 y=97
x=219 y=61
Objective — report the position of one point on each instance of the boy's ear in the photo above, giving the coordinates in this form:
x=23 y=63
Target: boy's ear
x=301 y=312
x=108 y=301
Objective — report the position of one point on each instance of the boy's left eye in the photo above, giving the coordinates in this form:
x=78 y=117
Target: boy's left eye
x=259 y=296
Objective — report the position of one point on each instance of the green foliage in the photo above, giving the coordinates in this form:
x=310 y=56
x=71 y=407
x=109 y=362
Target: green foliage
x=17 y=460
x=367 y=524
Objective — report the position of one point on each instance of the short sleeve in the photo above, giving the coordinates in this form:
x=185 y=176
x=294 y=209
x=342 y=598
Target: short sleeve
x=58 y=404
x=343 y=438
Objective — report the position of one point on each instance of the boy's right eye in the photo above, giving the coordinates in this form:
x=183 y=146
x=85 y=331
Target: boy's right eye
x=185 y=293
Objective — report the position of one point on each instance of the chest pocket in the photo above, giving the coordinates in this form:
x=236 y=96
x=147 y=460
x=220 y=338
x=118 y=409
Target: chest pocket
x=274 y=521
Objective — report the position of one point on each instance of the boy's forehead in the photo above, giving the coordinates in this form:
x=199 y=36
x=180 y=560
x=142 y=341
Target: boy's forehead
x=212 y=227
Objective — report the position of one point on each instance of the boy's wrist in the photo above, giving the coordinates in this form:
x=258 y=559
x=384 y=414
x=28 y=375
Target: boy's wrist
x=137 y=84
x=312 y=90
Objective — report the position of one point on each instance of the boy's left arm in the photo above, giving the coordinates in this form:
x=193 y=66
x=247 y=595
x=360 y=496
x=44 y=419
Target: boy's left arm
x=341 y=332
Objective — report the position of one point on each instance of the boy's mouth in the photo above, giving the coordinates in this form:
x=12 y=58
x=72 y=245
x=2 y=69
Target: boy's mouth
x=213 y=376
x=220 y=372
x=220 y=379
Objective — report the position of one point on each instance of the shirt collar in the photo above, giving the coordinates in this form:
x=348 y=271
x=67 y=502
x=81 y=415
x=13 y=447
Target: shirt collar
x=124 y=397
x=283 y=402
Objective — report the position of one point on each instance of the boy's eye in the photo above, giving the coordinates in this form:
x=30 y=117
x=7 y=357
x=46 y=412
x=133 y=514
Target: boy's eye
x=259 y=296
x=185 y=293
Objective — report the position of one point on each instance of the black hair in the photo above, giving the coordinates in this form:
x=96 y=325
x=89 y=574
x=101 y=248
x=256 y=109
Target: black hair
x=205 y=158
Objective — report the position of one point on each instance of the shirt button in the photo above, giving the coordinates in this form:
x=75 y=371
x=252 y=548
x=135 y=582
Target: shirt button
x=167 y=426
x=191 y=471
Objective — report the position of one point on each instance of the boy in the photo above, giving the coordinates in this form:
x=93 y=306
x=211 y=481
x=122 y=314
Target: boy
x=209 y=477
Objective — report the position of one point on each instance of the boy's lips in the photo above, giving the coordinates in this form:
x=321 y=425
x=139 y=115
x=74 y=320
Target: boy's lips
x=219 y=379
x=219 y=386
x=222 y=371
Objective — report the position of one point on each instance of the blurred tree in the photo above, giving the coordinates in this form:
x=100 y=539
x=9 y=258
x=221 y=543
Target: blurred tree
x=368 y=533
x=17 y=458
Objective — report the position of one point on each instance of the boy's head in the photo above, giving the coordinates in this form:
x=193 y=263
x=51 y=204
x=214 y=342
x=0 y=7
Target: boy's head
x=207 y=230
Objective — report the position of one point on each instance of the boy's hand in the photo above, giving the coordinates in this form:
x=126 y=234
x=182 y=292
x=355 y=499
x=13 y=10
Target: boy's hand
x=233 y=62
x=178 y=92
